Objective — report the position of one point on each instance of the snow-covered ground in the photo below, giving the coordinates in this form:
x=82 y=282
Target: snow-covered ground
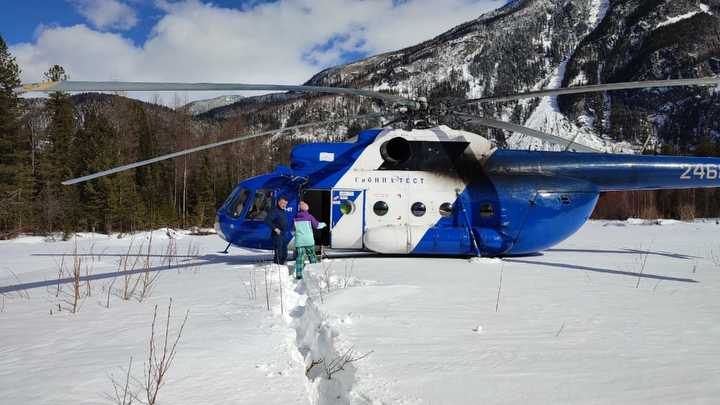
x=623 y=312
x=232 y=350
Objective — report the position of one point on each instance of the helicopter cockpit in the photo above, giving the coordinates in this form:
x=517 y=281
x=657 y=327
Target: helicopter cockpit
x=241 y=218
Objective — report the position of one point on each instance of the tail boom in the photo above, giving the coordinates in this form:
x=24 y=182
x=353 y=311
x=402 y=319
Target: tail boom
x=610 y=172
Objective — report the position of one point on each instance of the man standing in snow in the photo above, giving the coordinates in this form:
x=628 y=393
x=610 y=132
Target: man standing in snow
x=304 y=240
x=278 y=222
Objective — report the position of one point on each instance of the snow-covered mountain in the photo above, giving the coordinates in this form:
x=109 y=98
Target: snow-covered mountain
x=201 y=106
x=533 y=44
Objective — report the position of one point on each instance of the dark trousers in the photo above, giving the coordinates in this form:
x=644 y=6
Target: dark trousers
x=280 y=248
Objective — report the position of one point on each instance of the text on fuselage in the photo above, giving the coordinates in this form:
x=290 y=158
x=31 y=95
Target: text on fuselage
x=388 y=180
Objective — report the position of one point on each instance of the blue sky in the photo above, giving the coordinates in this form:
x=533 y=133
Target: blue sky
x=281 y=41
x=20 y=19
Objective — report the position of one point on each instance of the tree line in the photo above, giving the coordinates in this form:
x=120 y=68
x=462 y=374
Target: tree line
x=44 y=142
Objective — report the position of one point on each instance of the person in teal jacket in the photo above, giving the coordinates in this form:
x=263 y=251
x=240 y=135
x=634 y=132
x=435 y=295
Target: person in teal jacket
x=304 y=240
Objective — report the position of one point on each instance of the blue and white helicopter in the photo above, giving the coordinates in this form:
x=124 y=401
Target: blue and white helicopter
x=419 y=187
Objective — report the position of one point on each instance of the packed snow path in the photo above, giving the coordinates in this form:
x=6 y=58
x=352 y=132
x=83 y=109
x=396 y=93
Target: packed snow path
x=623 y=312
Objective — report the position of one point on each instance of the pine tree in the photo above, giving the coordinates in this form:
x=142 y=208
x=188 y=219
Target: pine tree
x=108 y=203
x=15 y=171
x=148 y=178
x=204 y=208
x=59 y=202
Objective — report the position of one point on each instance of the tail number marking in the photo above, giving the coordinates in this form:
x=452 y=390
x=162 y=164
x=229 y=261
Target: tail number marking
x=700 y=171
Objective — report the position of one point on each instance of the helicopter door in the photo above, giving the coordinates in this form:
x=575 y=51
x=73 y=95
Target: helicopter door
x=347 y=219
x=319 y=202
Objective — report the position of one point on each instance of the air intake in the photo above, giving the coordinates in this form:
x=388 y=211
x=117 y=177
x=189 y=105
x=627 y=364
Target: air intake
x=396 y=150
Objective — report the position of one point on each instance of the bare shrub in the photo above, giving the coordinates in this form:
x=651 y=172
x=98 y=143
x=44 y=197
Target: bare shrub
x=348 y=274
x=251 y=284
x=61 y=271
x=267 y=285
x=126 y=267
x=334 y=366
x=123 y=393
x=22 y=294
x=162 y=348
x=170 y=253
x=687 y=212
x=148 y=277
x=160 y=356
x=79 y=290
x=714 y=257
x=640 y=263
x=193 y=252
x=325 y=276
x=138 y=286
x=109 y=290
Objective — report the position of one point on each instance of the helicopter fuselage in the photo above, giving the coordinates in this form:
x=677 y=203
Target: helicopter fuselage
x=445 y=192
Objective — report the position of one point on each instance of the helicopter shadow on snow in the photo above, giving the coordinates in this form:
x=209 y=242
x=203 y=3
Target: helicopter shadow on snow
x=258 y=257
x=573 y=266
x=628 y=251
x=262 y=257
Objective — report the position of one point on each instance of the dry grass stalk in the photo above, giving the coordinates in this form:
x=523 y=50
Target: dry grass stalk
x=267 y=286
x=641 y=263
x=251 y=284
x=497 y=301
x=280 y=271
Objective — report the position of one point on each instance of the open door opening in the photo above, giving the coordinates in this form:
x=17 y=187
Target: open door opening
x=319 y=202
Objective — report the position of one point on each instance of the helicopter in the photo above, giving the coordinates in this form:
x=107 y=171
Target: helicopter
x=415 y=186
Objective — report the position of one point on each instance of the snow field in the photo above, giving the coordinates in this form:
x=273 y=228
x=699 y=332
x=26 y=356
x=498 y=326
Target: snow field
x=232 y=350
x=624 y=312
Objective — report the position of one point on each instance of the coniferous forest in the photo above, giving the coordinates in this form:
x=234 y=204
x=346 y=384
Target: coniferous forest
x=46 y=141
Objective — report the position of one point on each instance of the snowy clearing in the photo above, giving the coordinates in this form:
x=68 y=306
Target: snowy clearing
x=623 y=312
x=232 y=350
x=572 y=325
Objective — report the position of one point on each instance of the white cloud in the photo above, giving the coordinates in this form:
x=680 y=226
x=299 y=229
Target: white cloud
x=281 y=42
x=107 y=14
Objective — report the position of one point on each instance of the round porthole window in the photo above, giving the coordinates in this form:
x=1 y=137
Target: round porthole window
x=347 y=207
x=446 y=209
x=380 y=208
x=418 y=209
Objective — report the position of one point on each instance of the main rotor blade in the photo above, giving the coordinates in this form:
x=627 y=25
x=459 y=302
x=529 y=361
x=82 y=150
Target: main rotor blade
x=543 y=136
x=151 y=86
x=595 y=88
x=210 y=146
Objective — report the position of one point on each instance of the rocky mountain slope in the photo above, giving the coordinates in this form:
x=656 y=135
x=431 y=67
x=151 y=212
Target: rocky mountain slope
x=650 y=40
x=533 y=44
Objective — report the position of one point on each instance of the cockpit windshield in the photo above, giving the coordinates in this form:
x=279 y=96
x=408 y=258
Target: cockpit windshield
x=261 y=205
x=238 y=203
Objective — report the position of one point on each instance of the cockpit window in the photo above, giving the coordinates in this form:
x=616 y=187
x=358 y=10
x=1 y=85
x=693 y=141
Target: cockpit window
x=238 y=203
x=261 y=205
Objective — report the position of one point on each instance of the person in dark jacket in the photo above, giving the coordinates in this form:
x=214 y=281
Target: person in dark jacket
x=277 y=220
